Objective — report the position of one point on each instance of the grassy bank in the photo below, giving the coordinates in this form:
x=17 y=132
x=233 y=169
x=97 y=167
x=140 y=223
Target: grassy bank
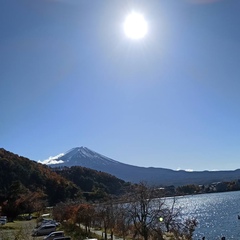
x=17 y=230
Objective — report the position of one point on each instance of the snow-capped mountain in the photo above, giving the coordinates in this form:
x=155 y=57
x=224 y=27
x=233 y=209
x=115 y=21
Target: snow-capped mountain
x=80 y=156
x=84 y=157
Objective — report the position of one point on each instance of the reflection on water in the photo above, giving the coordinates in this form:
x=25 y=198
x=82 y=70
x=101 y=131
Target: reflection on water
x=216 y=214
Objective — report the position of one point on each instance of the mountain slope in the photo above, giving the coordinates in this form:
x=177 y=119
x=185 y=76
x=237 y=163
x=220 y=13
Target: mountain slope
x=82 y=156
x=32 y=176
x=94 y=184
x=27 y=176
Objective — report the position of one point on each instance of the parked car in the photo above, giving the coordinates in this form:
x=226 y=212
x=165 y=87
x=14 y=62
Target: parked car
x=62 y=238
x=44 y=229
x=3 y=220
x=53 y=235
x=48 y=221
x=28 y=217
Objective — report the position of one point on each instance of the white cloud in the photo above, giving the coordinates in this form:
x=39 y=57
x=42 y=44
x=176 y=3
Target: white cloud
x=187 y=170
x=191 y=170
x=52 y=160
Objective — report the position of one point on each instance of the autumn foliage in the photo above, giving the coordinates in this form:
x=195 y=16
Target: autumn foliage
x=27 y=186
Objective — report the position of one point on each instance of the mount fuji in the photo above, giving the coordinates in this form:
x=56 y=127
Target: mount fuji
x=84 y=157
x=80 y=156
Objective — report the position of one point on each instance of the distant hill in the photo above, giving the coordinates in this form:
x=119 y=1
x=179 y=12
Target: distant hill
x=82 y=156
x=32 y=176
x=94 y=184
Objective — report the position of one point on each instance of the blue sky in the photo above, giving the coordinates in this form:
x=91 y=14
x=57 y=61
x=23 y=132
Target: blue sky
x=69 y=77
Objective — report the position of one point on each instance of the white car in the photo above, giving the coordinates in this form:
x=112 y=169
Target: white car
x=53 y=235
x=62 y=238
x=3 y=221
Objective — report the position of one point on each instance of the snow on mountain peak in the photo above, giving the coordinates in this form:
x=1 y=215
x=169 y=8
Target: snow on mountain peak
x=77 y=155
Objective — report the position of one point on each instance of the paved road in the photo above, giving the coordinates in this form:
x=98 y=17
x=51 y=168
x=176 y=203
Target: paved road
x=101 y=234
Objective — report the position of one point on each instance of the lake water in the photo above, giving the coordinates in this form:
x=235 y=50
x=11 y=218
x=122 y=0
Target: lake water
x=216 y=213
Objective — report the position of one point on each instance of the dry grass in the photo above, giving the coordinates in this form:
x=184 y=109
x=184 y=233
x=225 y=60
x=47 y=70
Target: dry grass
x=18 y=230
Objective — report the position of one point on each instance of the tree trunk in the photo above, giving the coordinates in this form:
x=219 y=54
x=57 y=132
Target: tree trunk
x=105 y=232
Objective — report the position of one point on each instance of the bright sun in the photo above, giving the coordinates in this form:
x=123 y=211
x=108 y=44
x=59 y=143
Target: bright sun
x=135 y=26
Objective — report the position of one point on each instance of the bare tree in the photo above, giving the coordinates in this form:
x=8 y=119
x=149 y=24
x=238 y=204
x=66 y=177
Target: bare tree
x=185 y=230
x=145 y=210
x=123 y=220
x=152 y=216
x=142 y=213
x=171 y=216
x=85 y=214
x=104 y=213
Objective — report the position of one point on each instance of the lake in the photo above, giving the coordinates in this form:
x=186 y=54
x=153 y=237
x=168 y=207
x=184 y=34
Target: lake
x=216 y=213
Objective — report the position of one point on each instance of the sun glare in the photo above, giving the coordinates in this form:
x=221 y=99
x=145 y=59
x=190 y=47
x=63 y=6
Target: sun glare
x=135 y=26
